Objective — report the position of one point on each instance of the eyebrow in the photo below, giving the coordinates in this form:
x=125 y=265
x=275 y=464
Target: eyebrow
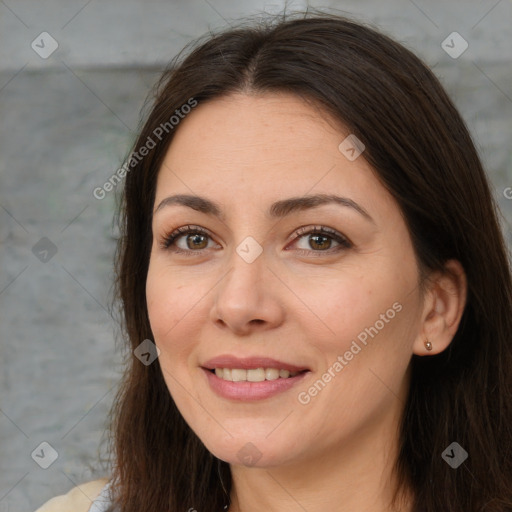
x=278 y=209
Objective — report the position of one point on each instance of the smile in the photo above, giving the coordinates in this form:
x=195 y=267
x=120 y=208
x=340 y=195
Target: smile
x=253 y=375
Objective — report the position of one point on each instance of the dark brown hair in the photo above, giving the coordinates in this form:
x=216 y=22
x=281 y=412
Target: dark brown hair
x=420 y=149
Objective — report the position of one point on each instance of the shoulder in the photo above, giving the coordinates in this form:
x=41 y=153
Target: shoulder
x=78 y=499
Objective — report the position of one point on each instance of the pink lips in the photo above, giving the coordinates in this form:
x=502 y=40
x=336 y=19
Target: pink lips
x=250 y=391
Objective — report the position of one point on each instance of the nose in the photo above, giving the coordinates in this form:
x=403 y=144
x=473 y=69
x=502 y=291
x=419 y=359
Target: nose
x=248 y=297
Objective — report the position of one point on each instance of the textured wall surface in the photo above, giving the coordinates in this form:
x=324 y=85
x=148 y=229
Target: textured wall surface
x=68 y=118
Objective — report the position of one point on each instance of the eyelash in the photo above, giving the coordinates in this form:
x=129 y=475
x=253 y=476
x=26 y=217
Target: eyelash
x=170 y=239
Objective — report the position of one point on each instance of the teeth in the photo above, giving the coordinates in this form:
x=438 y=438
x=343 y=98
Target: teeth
x=256 y=375
x=271 y=374
x=238 y=375
x=252 y=375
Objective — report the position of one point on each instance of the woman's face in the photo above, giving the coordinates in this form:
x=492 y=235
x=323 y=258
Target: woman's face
x=261 y=287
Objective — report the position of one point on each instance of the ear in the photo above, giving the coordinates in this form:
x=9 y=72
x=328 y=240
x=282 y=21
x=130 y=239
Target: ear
x=444 y=304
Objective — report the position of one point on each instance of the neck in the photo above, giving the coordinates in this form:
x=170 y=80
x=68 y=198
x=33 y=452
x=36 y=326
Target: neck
x=354 y=476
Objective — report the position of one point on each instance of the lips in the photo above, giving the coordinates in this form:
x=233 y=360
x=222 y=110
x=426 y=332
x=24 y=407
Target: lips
x=240 y=378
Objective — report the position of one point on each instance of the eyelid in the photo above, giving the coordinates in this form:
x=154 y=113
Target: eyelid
x=342 y=240
x=320 y=229
x=169 y=239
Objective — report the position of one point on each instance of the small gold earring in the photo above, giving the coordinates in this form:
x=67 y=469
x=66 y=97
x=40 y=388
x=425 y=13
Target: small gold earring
x=428 y=345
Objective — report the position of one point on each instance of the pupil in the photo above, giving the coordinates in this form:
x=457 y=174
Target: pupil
x=316 y=237
x=196 y=239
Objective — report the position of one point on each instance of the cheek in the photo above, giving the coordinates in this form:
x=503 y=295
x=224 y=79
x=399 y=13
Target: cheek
x=172 y=306
x=339 y=306
x=161 y=301
x=174 y=310
x=367 y=317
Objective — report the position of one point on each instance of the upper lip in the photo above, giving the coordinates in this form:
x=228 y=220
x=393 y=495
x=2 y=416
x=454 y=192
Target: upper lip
x=247 y=363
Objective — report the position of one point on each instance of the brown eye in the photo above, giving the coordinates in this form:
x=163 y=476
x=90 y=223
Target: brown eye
x=197 y=241
x=187 y=240
x=320 y=242
x=319 y=239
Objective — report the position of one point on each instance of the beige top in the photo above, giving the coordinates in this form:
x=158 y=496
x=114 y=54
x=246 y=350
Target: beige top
x=78 y=499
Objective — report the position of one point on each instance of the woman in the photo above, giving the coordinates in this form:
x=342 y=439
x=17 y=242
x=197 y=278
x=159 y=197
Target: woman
x=314 y=287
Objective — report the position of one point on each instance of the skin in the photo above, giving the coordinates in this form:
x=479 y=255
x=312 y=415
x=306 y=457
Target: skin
x=246 y=151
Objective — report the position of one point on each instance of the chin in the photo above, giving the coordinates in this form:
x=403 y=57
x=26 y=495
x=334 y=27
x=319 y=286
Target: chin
x=249 y=451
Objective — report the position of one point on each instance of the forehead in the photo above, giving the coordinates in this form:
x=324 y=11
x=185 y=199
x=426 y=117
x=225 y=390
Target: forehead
x=263 y=122
x=260 y=148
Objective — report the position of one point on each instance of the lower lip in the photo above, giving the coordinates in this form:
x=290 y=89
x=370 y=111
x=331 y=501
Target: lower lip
x=248 y=391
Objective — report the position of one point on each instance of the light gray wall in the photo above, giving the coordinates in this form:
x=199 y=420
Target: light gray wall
x=67 y=121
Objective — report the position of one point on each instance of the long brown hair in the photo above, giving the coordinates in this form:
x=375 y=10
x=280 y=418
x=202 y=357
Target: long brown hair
x=422 y=152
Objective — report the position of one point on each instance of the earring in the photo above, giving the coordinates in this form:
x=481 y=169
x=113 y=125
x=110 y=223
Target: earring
x=428 y=345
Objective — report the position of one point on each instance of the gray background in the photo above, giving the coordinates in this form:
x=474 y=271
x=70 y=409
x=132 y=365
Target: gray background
x=67 y=122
